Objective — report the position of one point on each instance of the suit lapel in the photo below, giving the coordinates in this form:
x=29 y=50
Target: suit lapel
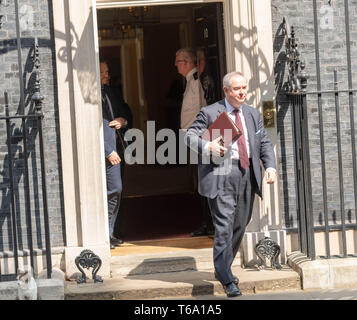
x=249 y=122
x=221 y=107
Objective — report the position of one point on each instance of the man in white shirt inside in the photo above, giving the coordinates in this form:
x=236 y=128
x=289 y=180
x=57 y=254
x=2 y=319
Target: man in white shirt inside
x=193 y=101
x=193 y=97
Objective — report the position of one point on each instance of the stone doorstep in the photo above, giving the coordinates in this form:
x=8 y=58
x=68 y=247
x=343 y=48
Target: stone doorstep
x=324 y=273
x=175 y=261
x=178 y=284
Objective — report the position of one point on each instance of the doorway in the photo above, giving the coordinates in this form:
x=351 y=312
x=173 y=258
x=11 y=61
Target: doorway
x=139 y=43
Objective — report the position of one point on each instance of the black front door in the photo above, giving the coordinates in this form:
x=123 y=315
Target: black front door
x=209 y=36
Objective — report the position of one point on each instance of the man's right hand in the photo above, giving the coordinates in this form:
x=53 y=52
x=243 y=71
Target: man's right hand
x=216 y=148
x=114 y=158
x=118 y=123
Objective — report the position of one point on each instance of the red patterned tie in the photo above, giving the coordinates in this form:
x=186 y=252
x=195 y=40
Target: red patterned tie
x=242 y=148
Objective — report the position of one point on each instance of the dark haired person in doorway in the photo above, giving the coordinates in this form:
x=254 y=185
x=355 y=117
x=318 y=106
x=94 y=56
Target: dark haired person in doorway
x=121 y=109
x=231 y=192
x=116 y=116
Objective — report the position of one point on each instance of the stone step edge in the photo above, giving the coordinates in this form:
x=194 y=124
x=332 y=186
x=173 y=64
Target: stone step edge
x=185 y=290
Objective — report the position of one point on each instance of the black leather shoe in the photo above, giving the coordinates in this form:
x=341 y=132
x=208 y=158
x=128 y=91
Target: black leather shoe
x=232 y=290
x=201 y=231
x=235 y=279
x=116 y=241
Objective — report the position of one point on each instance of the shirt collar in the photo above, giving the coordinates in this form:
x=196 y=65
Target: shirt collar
x=190 y=74
x=229 y=106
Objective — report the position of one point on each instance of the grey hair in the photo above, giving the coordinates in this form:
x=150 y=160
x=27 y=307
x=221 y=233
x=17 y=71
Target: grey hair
x=188 y=54
x=227 y=79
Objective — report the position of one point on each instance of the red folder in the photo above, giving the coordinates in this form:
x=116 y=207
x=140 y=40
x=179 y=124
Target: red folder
x=223 y=126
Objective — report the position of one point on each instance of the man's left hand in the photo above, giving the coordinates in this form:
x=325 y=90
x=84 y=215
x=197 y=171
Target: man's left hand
x=117 y=123
x=114 y=158
x=271 y=176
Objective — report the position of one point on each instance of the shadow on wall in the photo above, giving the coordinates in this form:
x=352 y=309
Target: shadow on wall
x=259 y=59
x=75 y=54
x=18 y=159
x=16 y=134
x=283 y=107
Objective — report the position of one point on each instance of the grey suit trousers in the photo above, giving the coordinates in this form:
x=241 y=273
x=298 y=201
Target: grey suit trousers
x=231 y=212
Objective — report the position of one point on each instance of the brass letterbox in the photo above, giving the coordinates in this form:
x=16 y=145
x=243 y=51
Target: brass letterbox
x=269 y=114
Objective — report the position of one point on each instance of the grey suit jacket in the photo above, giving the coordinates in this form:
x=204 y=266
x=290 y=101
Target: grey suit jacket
x=211 y=175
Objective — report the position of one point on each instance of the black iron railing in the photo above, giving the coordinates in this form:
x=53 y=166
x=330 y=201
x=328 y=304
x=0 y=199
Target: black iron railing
x=298 y=94
x=23 y=133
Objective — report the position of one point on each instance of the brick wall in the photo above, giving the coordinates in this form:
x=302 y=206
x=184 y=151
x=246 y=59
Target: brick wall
x=35 y=20
x=333 y=54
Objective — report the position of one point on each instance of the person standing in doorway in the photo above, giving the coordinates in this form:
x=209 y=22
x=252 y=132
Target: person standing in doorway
x=113 y=120
x=209 y=89
x=121 y=110
x=193 y=101
x=231 y=192
x=193 y=97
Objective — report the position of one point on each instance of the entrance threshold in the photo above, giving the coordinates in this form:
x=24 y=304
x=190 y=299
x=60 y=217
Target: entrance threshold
x=162 y=245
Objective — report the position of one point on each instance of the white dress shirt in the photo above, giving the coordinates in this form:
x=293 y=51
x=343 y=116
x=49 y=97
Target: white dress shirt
x=232 y=115
x=193 y=100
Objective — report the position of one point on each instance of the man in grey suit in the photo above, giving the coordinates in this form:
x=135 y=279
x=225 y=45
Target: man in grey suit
x=232 y=176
